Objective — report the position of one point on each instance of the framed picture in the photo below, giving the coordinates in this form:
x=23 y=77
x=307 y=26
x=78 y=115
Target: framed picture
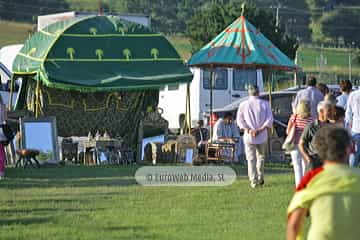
x=40 y=134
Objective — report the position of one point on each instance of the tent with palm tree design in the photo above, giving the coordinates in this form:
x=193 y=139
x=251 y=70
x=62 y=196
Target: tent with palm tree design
x=96 y=73
x=132 y=56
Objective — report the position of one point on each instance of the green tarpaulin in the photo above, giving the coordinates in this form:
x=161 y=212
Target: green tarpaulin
x=100 y=53
x=241 y=45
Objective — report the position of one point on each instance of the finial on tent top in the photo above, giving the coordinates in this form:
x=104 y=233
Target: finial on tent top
x=242 y=9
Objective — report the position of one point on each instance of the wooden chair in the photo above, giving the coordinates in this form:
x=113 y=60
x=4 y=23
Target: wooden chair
x=69 y=151
x=215 y=152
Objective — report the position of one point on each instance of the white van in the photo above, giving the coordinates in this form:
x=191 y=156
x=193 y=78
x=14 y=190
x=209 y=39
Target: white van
x=230 y=85
x=7 y=57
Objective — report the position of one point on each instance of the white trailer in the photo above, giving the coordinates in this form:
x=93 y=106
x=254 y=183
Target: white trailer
x=230 y=84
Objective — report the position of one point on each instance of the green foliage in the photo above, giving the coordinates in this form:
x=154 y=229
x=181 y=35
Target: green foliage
x=335 y=22
x=349 y=32
x=209 y=22
x=27 y=11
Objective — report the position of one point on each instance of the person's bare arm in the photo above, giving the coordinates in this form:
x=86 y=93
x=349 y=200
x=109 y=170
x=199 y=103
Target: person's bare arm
x=289 y=126
x=295 y=222
x=303 y=151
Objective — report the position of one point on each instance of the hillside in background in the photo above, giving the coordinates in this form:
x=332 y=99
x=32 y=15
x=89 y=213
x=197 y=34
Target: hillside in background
x=334 y=22
x=328 y=27
x=13 y=32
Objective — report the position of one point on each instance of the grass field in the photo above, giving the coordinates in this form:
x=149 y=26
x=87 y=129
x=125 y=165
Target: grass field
x=337 y=60
x=13 y=33
x=105 y=203
x=182 y=45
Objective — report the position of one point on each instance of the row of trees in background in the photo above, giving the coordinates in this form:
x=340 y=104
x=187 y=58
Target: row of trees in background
x=320 y=21
x=335 y=21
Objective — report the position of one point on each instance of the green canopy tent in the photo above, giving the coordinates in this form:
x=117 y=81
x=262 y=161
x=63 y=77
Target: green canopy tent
x=240 y=45
x=96 y=73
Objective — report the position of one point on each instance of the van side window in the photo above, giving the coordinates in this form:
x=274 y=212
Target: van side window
x=221 y=79
x=243 y=78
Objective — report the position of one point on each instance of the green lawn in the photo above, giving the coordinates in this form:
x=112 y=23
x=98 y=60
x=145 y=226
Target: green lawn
x=182 y=45
x=337 y=60
x=13 y=33
x=106 y=203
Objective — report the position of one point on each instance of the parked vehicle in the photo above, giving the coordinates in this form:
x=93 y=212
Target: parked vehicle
x=7 y=56
x=5 y=76
x=229 y=86
x=280 y=104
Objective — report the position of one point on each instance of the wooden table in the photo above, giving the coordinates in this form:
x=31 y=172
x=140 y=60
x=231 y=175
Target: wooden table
x=97 y=146
x=217 y=149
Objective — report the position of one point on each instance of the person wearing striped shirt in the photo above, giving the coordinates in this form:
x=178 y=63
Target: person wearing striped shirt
x=299 y=121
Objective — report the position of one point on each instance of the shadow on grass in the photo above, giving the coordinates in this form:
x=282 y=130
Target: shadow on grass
x=241 y=170
x=39 y=200
x=45 y=210
x=68 y=172
x=24 y=221
x=70 y=176
x=87 y=176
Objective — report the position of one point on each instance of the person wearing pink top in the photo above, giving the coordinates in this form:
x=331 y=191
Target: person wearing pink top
x=254 y=116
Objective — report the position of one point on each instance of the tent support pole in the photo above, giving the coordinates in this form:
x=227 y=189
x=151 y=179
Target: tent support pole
x=11 y=93
x=212 y=80
x=188 y=109
x=270 y=94
x=37 y=100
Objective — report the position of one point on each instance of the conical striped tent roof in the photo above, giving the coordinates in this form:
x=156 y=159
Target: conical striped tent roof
x=241 y=45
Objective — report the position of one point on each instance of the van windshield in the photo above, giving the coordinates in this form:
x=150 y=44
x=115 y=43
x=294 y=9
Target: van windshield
x=243 y=78
x=221 y=79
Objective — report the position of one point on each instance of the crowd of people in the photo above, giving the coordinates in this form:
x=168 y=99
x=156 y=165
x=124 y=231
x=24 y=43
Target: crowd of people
x=325 y=134
x=313 y=107
x=325 y=152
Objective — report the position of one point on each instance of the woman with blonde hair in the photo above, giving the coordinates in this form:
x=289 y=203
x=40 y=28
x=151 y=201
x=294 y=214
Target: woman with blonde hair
x=299 y=120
